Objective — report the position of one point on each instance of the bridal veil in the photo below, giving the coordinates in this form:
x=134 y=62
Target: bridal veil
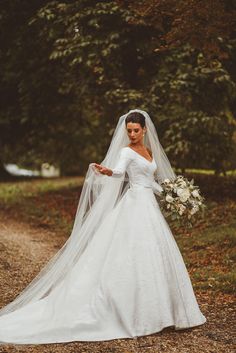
x=99 y=195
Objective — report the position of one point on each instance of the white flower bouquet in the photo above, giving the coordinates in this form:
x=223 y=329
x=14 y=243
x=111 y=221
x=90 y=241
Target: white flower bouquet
x=181 y=200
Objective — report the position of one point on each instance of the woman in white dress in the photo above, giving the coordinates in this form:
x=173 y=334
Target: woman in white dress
x=120 y=274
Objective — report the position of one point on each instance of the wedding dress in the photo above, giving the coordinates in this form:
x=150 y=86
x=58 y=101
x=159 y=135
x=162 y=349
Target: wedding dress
x=129 y=281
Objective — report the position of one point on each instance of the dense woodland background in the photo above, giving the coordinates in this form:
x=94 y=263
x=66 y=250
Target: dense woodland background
x=69 y=69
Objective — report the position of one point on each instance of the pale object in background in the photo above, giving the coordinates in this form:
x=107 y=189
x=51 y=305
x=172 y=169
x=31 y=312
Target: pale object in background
x=49 y=171
x=15 y=170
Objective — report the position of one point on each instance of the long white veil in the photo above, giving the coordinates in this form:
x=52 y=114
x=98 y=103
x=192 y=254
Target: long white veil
x=99 y=195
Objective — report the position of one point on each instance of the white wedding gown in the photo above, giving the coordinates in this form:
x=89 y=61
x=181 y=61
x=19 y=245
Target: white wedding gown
x=130 y=281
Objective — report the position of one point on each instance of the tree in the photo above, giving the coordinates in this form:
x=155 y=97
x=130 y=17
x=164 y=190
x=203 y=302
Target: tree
x=195 y=109
x=206 y=25
x=117 y=51
x=37 y=121
x=79 y=65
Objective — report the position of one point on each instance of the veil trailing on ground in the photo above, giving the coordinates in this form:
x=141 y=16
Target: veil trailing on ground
x=99 y=195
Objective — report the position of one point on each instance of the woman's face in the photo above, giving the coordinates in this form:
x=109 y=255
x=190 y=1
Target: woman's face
x=135 y=132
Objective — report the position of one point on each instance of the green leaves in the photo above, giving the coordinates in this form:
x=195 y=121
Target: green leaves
x=71 y=68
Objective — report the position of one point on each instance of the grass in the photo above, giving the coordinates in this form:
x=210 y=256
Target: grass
x=15 y=191
x=210 y=257
x=44 y=202
x=206 y=171
x=208 y=248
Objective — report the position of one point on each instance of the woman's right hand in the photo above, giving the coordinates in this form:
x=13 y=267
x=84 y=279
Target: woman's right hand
x=103 y=170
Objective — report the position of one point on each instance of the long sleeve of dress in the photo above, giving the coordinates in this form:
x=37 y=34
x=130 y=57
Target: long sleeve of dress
x=157 y=188
x=122 y=164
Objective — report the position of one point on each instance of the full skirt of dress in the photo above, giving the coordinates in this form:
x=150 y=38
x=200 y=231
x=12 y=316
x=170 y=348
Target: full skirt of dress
x=130 y=281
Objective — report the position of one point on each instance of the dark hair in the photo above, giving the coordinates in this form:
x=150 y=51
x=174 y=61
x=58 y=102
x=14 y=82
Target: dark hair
x=135 y=117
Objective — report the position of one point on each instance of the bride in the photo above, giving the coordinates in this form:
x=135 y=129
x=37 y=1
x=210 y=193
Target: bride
x=120 y=274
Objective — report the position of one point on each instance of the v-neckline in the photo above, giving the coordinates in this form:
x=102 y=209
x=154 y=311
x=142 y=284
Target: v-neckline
x=140 y=155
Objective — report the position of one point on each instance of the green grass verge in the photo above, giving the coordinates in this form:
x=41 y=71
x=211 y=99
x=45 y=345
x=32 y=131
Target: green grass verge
x=206 y=171
x=209 y=253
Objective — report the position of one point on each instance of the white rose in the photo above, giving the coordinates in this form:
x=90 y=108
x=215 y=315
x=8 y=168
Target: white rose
x=179 y=191
x=183 y=198
x=169 y=198
x=183 y=194
x=181 y=209
x=194 y=210
x=195 y=193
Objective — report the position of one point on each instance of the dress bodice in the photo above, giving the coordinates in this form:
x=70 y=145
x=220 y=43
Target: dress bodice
x=139 y=169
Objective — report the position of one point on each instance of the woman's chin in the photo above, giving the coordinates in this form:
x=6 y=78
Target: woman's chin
x=135 y=141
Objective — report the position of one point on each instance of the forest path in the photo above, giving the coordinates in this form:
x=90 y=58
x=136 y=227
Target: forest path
x=24 y=249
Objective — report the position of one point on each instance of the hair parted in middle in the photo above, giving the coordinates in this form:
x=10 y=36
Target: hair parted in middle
x=135 y=117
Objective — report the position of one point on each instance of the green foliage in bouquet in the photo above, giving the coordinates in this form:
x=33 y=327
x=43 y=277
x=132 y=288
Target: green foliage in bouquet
x=181 y=200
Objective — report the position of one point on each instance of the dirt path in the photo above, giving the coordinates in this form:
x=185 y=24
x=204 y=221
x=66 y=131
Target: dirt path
x=25 y=248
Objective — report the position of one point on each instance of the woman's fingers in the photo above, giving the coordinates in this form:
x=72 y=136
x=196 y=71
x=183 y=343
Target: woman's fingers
x=98 y=166
x=101 y=169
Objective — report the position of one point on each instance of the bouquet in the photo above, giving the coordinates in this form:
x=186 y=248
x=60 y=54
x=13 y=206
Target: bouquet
x=181 y=200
